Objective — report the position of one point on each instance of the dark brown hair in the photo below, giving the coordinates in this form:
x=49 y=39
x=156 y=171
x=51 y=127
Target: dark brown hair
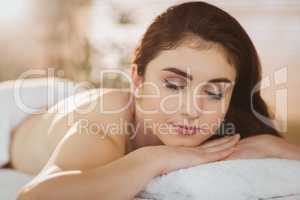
x=214 y=25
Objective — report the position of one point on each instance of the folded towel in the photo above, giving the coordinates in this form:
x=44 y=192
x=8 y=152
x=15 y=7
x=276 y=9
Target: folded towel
x=24 y=97
x=257 y=179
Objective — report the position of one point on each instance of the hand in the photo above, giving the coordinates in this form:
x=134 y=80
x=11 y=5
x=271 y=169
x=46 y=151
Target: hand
x=174 y=158
x=264 y=146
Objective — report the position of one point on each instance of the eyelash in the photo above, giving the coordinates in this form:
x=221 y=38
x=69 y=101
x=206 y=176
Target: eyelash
x=217 y=96
x=171 y=86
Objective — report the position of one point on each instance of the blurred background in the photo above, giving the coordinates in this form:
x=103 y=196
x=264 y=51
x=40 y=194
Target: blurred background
x=77 y=39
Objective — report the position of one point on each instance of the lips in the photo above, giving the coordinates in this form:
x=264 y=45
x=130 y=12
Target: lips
x=186 y=130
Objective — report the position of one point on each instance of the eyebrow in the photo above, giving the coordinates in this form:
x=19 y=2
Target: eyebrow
x=179 y=72
x=189 y=76
x=220 y=80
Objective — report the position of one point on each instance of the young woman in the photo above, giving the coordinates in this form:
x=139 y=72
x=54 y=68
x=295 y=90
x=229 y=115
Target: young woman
x=193 y=74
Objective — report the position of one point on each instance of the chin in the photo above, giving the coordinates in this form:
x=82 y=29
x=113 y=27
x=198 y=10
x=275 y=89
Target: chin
x=184 y=141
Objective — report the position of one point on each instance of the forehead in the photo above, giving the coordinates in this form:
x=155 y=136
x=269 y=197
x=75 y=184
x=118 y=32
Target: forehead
x=202 y=64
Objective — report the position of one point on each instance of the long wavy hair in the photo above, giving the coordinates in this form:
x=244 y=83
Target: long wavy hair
x=214 y=25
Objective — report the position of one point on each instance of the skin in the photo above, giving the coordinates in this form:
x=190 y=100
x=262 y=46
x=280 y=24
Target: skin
x=105 y=161
x=203 y=111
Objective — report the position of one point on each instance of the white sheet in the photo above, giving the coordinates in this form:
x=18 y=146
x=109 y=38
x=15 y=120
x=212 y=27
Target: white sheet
x=10 y=183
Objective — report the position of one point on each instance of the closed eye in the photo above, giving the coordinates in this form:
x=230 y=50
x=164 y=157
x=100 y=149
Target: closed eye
x=216 y=96
x=173 y=86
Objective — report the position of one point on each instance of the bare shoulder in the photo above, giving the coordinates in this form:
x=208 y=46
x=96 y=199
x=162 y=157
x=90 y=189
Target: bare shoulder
x=111 y=115
x=97 y=132
x=115 y=102
x=111 y=111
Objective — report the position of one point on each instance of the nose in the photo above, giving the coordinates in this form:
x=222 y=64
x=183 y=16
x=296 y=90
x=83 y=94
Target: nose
x=189 y=107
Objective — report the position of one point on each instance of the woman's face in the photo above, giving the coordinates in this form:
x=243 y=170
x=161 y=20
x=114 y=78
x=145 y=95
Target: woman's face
x=185 y=94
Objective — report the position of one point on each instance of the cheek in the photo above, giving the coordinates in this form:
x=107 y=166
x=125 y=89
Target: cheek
x=170 y=103
x=164 y=102
x=158 y=120
x=152 y=110
x=211 y=122
x=214 y=106
x=148 y=100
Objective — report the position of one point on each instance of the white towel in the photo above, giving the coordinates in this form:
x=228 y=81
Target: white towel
x=257 y=179
x=20 y=98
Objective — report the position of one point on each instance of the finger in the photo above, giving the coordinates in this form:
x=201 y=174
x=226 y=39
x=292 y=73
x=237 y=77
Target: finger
x=232 y=157
x=223 y=146
x=219 y=141
x=216 y=156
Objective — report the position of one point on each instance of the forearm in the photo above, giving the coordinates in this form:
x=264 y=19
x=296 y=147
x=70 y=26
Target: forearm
x=291 y=151
x=120 y=179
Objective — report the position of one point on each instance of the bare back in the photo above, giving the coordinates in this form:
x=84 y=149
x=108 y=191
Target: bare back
x=91 y=113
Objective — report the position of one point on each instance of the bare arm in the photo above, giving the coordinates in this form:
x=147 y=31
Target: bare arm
x=120 y=179
x=117 y=176
x=289 y=151
x=91 y=167
x=265 y=146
